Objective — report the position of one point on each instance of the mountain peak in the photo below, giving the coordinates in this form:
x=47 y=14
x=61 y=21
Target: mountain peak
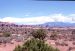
x=59 y=24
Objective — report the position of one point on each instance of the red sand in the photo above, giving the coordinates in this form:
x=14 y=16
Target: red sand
x=9 y=47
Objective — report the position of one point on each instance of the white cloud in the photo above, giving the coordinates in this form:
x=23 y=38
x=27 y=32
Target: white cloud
x=41 y=19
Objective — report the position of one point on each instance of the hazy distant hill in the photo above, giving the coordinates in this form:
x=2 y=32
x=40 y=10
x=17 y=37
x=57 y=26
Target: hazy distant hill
x=48 y=24
x=58 y=24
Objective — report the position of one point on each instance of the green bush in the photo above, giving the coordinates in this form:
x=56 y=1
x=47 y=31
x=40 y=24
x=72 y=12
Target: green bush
x=54 y=35
x=18 y=48
x=40 y=34
x=6 y=34
x=35 y=45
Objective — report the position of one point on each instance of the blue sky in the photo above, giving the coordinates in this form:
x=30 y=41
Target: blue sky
x=22 y=9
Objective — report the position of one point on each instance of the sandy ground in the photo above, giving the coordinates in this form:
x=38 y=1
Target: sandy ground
x=9 y=47
x=61 y=48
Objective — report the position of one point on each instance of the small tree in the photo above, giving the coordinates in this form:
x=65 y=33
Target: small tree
x=40 y=34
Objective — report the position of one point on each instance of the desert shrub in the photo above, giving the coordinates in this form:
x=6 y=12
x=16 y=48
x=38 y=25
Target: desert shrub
x=54 y=35
x=73 y=32
x=40 y=34
x=6 y=34
x=18 y=48
x=73 y=35
x=35 y=45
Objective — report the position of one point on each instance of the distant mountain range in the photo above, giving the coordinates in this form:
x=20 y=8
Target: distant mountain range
x=47 y=24
x=58 y=24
